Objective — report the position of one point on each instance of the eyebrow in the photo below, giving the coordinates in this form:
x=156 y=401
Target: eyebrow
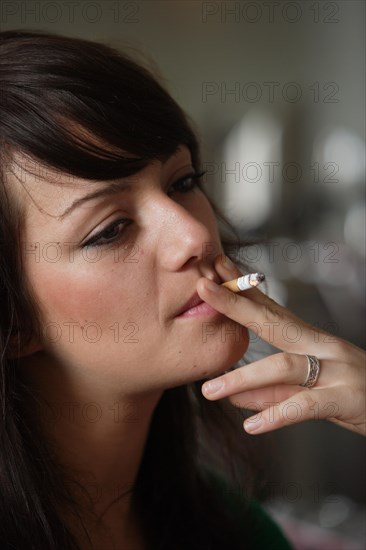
x=111 y=189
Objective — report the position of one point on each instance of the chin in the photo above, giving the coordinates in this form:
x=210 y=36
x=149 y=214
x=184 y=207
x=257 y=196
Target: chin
x=228 y=355
x=216 y=359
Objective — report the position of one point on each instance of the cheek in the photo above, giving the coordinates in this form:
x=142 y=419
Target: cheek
x=92 y=294
x=207 y=213
x=94 y=317
x=208 y=217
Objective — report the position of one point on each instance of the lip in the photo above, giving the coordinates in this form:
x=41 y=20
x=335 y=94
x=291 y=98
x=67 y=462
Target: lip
x=193 y=301
x=201 y=310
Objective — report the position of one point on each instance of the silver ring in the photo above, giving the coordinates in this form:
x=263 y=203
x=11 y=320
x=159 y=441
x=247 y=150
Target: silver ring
x=313 y=371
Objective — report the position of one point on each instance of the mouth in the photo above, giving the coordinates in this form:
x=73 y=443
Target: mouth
x=194 y=301
x=195 y=305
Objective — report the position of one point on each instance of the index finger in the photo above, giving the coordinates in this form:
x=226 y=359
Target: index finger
x=262 y=315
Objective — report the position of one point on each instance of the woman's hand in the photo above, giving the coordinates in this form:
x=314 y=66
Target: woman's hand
x=271 y=385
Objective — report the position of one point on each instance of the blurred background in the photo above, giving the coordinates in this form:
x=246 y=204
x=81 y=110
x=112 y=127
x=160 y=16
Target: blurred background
x=276 y=91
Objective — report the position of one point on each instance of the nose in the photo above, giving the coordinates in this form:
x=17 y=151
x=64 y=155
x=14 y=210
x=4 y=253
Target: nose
x=185 y=233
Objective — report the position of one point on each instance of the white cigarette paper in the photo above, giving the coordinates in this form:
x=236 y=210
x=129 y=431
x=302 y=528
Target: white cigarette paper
x=245 y=282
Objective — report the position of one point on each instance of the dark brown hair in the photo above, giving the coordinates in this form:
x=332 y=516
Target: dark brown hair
x=47 y=81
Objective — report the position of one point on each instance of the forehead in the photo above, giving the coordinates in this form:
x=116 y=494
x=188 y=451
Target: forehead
x=35 y=185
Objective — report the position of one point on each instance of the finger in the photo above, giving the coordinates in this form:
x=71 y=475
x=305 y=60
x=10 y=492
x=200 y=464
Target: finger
x=270 y=321
x=314 y=404
x=261 y=398
x=280 y=368
x=226 y=268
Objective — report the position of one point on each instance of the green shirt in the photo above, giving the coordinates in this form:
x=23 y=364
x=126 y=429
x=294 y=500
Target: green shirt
x=259 y=529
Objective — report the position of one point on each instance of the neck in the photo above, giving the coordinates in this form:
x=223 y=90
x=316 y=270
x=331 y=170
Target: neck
x=99 y=438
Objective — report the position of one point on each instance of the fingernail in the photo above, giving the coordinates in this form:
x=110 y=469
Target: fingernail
x=253 y=425
x=211 y=286
x=212 y=386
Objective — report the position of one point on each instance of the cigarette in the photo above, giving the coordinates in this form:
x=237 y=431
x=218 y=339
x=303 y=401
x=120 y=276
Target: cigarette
x=245 y=282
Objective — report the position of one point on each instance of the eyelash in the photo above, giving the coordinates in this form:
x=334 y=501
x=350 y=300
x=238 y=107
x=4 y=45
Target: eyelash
x=124 y=222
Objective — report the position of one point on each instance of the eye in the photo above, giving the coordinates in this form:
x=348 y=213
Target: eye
x=110 y=234
x=187 y=183
x=114 y=232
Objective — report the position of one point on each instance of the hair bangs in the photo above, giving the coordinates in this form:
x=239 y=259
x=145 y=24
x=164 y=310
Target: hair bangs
x=95 y=115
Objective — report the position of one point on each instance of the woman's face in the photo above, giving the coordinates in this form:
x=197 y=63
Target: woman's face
x=109 y=311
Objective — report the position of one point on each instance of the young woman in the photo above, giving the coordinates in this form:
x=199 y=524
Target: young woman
x=108 y=241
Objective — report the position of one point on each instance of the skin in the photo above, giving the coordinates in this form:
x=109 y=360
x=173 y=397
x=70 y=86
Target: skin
x=99 y=386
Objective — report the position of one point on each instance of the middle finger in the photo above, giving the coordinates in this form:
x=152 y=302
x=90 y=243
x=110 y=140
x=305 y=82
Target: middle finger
x=280 y=368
